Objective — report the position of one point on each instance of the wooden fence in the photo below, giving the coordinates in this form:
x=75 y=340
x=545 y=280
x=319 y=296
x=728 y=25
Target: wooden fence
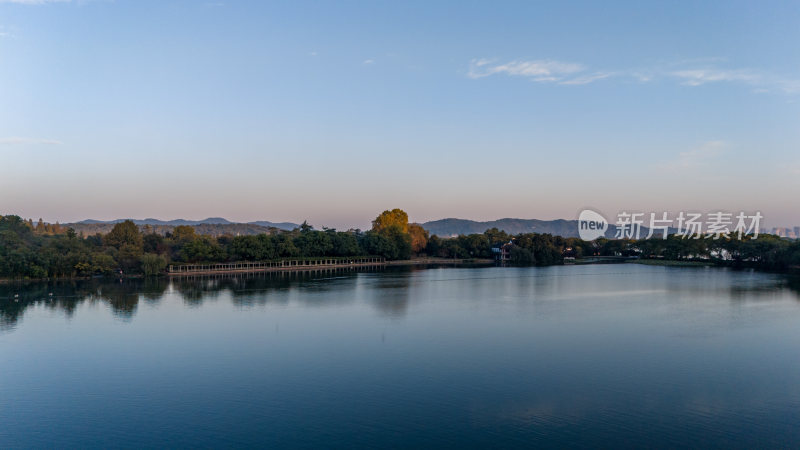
x=282 y=264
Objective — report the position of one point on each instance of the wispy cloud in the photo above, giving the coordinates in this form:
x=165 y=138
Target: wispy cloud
x=698 y=157
x=760 y=81
x=28 y=141
x=545 y=70
x=693 y=73
x=789 y=86
x=696 y=77
x=586 y=79
x=368 y=62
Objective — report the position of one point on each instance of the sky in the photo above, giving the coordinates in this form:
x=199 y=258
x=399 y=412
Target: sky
x=335 y=111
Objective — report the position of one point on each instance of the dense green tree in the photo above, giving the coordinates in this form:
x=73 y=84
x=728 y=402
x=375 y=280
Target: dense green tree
x=124 y=233
x=284 y=246
x=313 y=243
x=345 y=244
x=202 y=249
x=154 y=243
x=103 y=263
x=378 y=244
x=129 y=257
x=253 y=248
x=496 y=236
x=522 y=256
x=475 y=246
x=402 y=242
x=434 y=247
x=153 y=264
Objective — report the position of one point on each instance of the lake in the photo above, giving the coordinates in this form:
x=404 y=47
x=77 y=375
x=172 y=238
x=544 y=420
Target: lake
x=617 y=355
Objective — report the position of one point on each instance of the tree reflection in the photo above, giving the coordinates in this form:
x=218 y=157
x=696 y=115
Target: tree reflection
x=66 y=296
x=793 y=284
x=247 y=289
x=122 y=298
x=153 y=289
x=390 y=293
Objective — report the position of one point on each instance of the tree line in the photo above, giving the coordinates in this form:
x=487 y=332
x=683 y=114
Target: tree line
x=767 y=251
x=41 y=251
x=30 y=251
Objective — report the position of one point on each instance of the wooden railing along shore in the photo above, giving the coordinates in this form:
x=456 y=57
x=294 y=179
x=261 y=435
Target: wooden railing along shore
x=282 y=264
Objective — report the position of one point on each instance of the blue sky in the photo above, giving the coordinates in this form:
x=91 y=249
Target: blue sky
x=335 y=111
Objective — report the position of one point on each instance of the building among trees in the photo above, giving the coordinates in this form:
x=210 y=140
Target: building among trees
x=502 y=251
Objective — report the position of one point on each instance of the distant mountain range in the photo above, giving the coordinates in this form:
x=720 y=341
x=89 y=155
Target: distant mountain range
x=450 y=227
x=217 y=226
x=174 y=223
x=213 y=226
x=558 y=227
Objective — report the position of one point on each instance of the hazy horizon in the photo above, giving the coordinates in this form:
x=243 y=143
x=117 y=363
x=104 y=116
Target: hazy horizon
x=332 y=113
x=363 y=226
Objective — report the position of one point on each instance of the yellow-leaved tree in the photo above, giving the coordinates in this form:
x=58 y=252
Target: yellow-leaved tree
x=391 y=219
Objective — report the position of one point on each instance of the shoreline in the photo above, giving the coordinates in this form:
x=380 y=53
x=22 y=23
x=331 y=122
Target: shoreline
x=306 y=268
x=402 y=262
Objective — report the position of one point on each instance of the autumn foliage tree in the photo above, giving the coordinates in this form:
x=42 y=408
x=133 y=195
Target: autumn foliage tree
x=184 y=234
x=389 y=219
x=389 y=236
x=419 y=237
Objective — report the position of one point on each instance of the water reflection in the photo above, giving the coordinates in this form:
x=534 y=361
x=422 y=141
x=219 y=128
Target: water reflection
x=590 y=356
x=390 y=294
x=123 y=296
x=65 y=296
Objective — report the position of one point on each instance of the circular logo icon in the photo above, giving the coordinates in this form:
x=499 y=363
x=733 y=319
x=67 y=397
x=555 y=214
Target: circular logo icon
x=591 y=225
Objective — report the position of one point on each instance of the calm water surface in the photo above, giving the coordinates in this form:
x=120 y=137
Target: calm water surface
x=618 y=355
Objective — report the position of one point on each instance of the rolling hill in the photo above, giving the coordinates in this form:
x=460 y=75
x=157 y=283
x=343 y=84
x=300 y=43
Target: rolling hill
x=558 y=227
x=213 y=226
